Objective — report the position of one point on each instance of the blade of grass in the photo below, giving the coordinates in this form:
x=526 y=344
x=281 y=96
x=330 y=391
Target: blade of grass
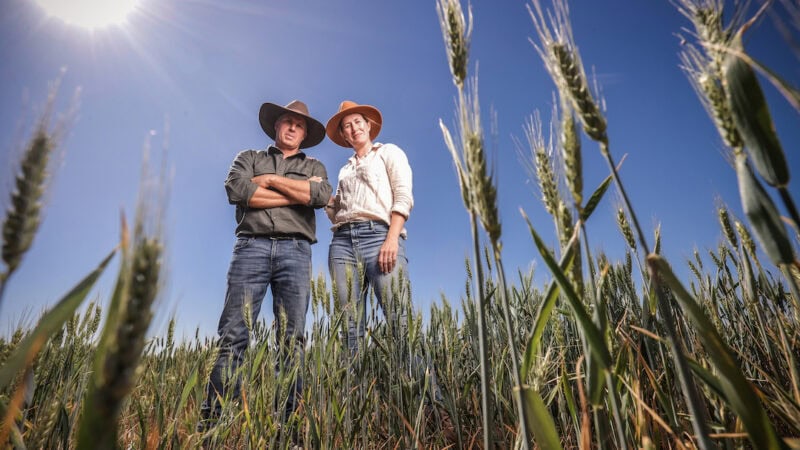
x=597 y=345
x=539 y=420
x=738 y=392
x=567 y=259
x=50 y=322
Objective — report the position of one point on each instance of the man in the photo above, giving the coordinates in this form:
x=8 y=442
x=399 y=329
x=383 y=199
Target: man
x=275 y=192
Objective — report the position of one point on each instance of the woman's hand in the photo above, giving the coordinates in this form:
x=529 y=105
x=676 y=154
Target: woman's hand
x=330 y=209
x=387 y=257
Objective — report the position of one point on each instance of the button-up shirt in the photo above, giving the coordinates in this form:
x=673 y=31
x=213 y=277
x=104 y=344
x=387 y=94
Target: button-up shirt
x=292 y=220
x=373 y=187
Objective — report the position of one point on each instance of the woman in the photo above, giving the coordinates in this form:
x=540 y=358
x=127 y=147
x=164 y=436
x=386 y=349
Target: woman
x=369 y=211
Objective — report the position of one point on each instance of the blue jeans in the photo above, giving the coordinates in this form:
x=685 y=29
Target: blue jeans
x=258 y=263
x=353 y=263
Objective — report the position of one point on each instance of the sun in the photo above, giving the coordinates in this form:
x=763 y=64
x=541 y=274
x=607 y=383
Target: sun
x=89 y=13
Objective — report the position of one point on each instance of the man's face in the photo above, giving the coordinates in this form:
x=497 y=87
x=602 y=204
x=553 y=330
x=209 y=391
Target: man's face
x=290 y=130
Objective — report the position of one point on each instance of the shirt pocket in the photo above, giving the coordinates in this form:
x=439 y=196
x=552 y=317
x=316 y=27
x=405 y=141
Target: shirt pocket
x=298 y=173
x=263 y=166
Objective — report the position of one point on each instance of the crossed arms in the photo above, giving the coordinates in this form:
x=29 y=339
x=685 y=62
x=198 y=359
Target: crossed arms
x=248 y=190
x=275 y=190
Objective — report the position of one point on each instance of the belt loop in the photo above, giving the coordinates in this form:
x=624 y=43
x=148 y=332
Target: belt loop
x=371 y=225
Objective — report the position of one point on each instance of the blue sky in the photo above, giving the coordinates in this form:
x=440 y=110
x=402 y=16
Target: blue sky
x=204 y=68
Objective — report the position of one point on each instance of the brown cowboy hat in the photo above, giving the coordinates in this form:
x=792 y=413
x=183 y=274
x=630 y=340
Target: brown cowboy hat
x=349 y=107
x=270 y=112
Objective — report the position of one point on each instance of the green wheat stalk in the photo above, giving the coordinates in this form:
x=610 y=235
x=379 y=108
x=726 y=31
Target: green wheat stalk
x=557 y=49
x=23 y=215
x=480 y=195
x=119 y=352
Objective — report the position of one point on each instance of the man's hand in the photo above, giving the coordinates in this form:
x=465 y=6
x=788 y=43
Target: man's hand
x=264 y=180
x=298 y=192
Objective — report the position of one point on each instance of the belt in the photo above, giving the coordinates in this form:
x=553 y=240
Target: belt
x=280 y=237
x=349 y=225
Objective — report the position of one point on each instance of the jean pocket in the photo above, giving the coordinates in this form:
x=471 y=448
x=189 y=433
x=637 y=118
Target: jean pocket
x=241 y=243
x=302 y=246
x=379 y=228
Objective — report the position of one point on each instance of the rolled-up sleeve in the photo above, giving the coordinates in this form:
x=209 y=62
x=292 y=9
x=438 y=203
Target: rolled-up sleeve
x=238 y=185
x=400 y=178
x=320 y=191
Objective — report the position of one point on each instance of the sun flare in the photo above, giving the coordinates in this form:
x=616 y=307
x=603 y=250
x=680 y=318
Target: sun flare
x=89 y=13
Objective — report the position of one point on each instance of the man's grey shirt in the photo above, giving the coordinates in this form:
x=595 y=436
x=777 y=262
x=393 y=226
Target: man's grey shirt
x=292 y=220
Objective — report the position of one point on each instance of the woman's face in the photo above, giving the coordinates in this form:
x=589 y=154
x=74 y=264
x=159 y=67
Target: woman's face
x=355 y=129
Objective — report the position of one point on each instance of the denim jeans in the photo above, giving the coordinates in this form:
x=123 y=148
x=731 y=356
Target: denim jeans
x=353 y=264
x=284 y=265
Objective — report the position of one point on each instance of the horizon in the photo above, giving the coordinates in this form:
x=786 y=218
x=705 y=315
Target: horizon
x=187 y=75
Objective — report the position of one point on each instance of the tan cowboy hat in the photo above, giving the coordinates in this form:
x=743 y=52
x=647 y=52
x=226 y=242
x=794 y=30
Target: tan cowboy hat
x=349 y=107
x=270 y=112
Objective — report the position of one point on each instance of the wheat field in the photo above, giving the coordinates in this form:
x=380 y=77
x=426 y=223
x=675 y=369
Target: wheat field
x=609 y=355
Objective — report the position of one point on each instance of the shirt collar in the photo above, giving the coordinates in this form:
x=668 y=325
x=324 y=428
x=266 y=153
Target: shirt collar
x=272 y=150
x=374 y=149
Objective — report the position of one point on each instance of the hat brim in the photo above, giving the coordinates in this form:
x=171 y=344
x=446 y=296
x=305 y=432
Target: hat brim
x=370 y=112
x=270 y=112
